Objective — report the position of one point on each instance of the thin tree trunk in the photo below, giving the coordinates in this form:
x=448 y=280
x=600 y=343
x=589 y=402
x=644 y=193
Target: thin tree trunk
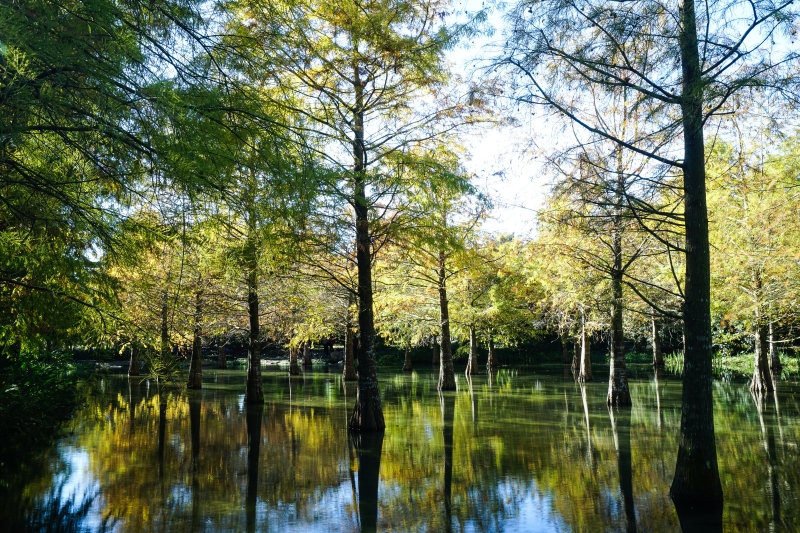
x=658 y=357
x=407 y=367
x=696 y=482
x=133 y=366
x=349 y=370
x=565 y=357
x=222 y=362
x=585 y=374
x=774 y=357
x=435 y=351
x=307 y=354
x=762 y=377
x=254 y=393
x=196 y=365
x=491 y=361
x=447 y=376
x=619 y=393
x=164 y=329
x=576 y=355
x=294 y=368
x=368 y=412
x=472 y=364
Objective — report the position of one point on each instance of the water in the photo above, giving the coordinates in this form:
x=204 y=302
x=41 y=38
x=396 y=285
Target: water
x=524 y=451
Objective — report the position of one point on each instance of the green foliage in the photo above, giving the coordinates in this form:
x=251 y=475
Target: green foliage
x=37 y=393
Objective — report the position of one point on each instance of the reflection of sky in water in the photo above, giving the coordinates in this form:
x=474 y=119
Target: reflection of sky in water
x=80 y=486
x=521 y=460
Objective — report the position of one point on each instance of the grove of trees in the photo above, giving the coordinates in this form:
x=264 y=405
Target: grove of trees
x=182 y=177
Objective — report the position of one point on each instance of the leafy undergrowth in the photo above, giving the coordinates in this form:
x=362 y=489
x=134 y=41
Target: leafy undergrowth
x=36 y=396
x=733 y=365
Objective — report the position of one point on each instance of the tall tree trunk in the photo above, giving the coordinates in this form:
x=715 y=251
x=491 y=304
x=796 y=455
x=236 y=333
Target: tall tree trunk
x=307 y=354
x=294 y=368
x=222 y=363
x=164 y=326
x=349 y=370
x=619 y=393
x=447 y=376
x=472 y=364
x=658 y=357
x=491 y=361
x=774 y=357
x=368 y=412
x=133 y=366
x=762 y=377
x=576 y=354
x=196 y=365
x=254 y=393
x=435 y=351
x=696 y=481
x=407 y=366
x=585 y=374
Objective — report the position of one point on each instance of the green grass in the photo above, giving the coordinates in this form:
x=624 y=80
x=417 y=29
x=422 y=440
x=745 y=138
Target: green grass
x=740 y=365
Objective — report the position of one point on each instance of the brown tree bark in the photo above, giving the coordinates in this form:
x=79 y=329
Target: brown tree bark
x=585 y=374
x=658 y=357
x=472 y=363
x=435 y=351
x=294 y=368
x=491 y=361
x=222 y=362
x=775 y=365
x=368 y=412
x=254 y=393
x=349 y=370
x=762 y=377
x=696 y=482
x=164 y=326
x=619 y=393
x=307 y=354
x=196 y=364
x=447 y=376
x=407 y=366
x=576 y=355
x=133 y=366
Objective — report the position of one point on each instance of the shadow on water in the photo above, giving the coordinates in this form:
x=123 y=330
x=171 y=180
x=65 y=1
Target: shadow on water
x=368 y=447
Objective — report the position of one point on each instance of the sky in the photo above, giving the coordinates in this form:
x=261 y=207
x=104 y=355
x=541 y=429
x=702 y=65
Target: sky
x=511 y=175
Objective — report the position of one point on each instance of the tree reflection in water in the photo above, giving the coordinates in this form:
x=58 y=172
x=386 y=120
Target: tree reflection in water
x=368 y=445
x=544 y=454
x=254 y=415
x=621 y=427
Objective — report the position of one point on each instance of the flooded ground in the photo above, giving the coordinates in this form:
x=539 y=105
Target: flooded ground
x=523 y=450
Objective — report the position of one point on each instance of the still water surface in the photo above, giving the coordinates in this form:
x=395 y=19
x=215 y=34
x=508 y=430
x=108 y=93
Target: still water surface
x=523 y=450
